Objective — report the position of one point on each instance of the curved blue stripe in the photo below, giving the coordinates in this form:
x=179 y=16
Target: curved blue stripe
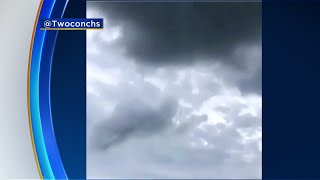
x=45 y=104
x=43 y=159
x=45 y=143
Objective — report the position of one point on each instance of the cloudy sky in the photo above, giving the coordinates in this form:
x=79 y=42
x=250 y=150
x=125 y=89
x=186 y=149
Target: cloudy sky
x=174 y=90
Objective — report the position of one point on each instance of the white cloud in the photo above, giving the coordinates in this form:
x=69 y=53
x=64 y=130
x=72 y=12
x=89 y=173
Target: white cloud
x=214 y=132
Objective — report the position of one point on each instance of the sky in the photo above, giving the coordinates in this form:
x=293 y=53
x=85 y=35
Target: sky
x=174 y=90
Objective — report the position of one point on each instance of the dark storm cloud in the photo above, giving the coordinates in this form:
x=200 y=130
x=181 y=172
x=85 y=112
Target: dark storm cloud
x=173 y=91
x=133 y=118
x=175 y=33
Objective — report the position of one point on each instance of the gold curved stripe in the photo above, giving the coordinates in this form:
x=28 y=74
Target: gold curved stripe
x=28 y=89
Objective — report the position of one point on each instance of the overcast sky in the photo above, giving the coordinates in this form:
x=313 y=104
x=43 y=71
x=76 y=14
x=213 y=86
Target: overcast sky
x=174 y=90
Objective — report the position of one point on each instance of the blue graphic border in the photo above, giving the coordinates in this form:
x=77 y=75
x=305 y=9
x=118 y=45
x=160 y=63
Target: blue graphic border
x=49 y=161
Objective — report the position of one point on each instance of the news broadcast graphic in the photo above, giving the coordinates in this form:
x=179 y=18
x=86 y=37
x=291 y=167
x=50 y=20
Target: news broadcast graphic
x=174 y=90
x=47 y=154
x=71 y=24
x=154 y=89
x=42 y=86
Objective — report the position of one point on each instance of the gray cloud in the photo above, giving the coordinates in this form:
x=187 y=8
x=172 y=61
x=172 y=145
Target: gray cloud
x=180 y=33
x=133 y=118
x=185 y=34
x=185 y=155
x=169 y=99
